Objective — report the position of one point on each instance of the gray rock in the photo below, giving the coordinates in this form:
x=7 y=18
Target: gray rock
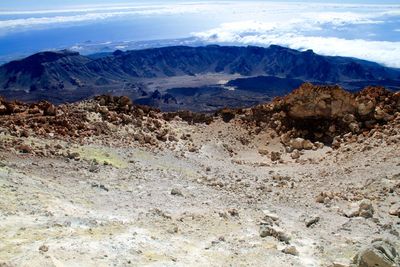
x=351 y=211
x=289 y=149
x=274 y=231
x=74 y=155
x=381 y=253
x=363 y=209
x=366 y=209
x=233 y=212
x=291 y=250
x=270 y=215
x=312 y=221
x=43 y=248
x=395 y=210
x=176 y=192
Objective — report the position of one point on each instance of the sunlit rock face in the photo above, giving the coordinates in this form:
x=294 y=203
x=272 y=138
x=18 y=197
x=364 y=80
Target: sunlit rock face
x=332 y=102
x=311 y=101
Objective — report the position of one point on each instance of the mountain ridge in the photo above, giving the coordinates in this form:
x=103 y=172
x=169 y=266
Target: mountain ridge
x=69 y=76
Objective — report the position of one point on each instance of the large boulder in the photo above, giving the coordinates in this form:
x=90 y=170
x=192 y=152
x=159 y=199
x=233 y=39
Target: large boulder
x=321 y=113
x=380 y=253
x=332 y=102
x=323 y=102
x=361 y=209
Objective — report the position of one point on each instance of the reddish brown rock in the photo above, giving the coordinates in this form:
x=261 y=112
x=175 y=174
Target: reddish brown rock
x=51 y=110
x=311 y=101
x=24 y=149
x=275 y=156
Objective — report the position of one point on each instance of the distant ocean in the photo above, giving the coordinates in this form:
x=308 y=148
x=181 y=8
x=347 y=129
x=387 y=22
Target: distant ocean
x=359 y=30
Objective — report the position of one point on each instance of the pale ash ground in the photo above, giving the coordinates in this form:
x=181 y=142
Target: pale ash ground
x=59 y=212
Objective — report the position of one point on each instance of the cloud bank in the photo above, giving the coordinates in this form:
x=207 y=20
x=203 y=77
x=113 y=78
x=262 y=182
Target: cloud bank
x=94 y=14
x=305 y=30
x=243 y=9
x=316 y=26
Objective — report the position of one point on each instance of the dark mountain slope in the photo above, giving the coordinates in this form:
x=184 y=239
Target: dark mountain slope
x=45 y=71
x=69 y=76
x=274 y=61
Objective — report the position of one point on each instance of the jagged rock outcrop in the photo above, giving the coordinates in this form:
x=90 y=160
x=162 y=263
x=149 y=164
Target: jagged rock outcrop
x=333 y=102
x=319 y=102
x=324 y=113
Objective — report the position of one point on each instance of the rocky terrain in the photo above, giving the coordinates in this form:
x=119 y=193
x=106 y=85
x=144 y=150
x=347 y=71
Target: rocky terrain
x=309 y=179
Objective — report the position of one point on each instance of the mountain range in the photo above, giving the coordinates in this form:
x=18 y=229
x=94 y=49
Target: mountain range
x=65 y=76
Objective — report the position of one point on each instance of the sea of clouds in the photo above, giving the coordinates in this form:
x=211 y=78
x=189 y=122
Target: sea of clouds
x=320 y=27
x=306 y=31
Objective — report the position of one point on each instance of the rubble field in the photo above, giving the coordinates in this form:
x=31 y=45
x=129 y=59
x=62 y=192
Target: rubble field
x=309 y=179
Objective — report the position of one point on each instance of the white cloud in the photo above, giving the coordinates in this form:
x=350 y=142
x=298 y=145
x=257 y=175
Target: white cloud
x=77 y=9
x=302 y=29
x=15 y=23
x=232 y=10
x=257 y=33
x=102 y=8
x=342 y=18
x=89 y=14
x=76 y=48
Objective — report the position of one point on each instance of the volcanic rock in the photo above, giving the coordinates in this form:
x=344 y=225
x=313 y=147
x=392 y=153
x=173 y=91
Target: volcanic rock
x=366 y=209
x=274 y=231
x=275 y=156
x=176 y=192
x=295 y=154
x=362 y=209
x=381 y=253
x=326 y=102
x=291 y=250
x=395 y=210
x=50 y=110
x=24 y=149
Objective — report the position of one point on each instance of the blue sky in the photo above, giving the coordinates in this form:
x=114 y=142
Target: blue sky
x=29 y=4
x=357 y=28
